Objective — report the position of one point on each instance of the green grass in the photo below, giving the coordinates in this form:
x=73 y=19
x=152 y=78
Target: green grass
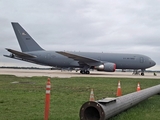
x=25 y=101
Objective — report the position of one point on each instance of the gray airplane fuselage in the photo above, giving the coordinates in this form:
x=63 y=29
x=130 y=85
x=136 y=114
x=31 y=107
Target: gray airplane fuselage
x=108 y=62
x=122 y=61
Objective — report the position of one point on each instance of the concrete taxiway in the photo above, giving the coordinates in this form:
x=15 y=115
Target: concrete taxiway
x=68 y=74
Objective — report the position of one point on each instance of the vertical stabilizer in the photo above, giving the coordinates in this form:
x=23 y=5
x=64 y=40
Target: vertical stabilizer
x=26 y=42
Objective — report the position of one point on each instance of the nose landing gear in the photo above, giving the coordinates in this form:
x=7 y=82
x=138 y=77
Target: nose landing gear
x=136 y=72
x=142 y=72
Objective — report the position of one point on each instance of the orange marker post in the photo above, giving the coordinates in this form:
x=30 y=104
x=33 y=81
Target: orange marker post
x=119 y=92
x=91 y=96
x=47 y=100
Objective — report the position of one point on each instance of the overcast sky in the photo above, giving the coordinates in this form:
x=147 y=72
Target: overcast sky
x=123 y=26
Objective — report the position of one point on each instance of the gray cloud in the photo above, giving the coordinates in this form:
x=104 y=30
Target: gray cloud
x=109 y=26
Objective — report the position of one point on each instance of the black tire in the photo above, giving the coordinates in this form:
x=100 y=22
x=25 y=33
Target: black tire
x=87 y=72
x=142 y=74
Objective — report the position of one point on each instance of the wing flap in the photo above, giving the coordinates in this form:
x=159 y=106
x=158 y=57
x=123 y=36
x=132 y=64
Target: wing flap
x=81 y=59
x=20 y=54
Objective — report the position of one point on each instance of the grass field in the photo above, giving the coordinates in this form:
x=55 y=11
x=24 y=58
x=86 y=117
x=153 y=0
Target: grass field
x=25 y=100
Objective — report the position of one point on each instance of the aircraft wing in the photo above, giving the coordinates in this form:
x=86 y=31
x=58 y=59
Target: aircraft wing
x=20 y=54
x=82 y=59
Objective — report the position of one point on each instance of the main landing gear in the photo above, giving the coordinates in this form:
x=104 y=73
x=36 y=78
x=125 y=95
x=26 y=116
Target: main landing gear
x=84 y=71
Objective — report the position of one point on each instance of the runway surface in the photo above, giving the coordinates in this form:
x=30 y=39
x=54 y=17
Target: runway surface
x=68 y=74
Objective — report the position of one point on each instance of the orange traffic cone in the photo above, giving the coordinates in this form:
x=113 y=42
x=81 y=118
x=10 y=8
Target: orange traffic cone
x=138 y=87
x=119 y=92
x=91 y=96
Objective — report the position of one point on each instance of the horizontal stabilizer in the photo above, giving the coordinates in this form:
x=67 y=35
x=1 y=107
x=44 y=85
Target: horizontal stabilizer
x=21 y=54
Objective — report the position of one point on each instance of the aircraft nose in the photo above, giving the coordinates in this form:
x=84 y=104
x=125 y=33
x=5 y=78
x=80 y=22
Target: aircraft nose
x=154 y=63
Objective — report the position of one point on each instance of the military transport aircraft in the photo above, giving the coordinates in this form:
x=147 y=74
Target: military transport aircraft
x=109 y=62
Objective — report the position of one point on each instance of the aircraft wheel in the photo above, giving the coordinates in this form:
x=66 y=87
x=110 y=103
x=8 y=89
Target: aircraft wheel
x=87 y=72
x=142 y=74
x=82 y=72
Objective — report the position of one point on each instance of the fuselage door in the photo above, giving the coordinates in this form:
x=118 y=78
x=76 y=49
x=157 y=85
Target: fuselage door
x=141 y=60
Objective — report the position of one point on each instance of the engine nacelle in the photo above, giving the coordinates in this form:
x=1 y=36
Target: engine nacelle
x=108 y=67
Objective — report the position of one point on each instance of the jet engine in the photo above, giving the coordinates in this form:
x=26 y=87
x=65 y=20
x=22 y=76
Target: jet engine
x=108 y=67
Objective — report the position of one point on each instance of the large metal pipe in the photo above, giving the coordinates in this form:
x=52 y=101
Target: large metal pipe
x=108 y=107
